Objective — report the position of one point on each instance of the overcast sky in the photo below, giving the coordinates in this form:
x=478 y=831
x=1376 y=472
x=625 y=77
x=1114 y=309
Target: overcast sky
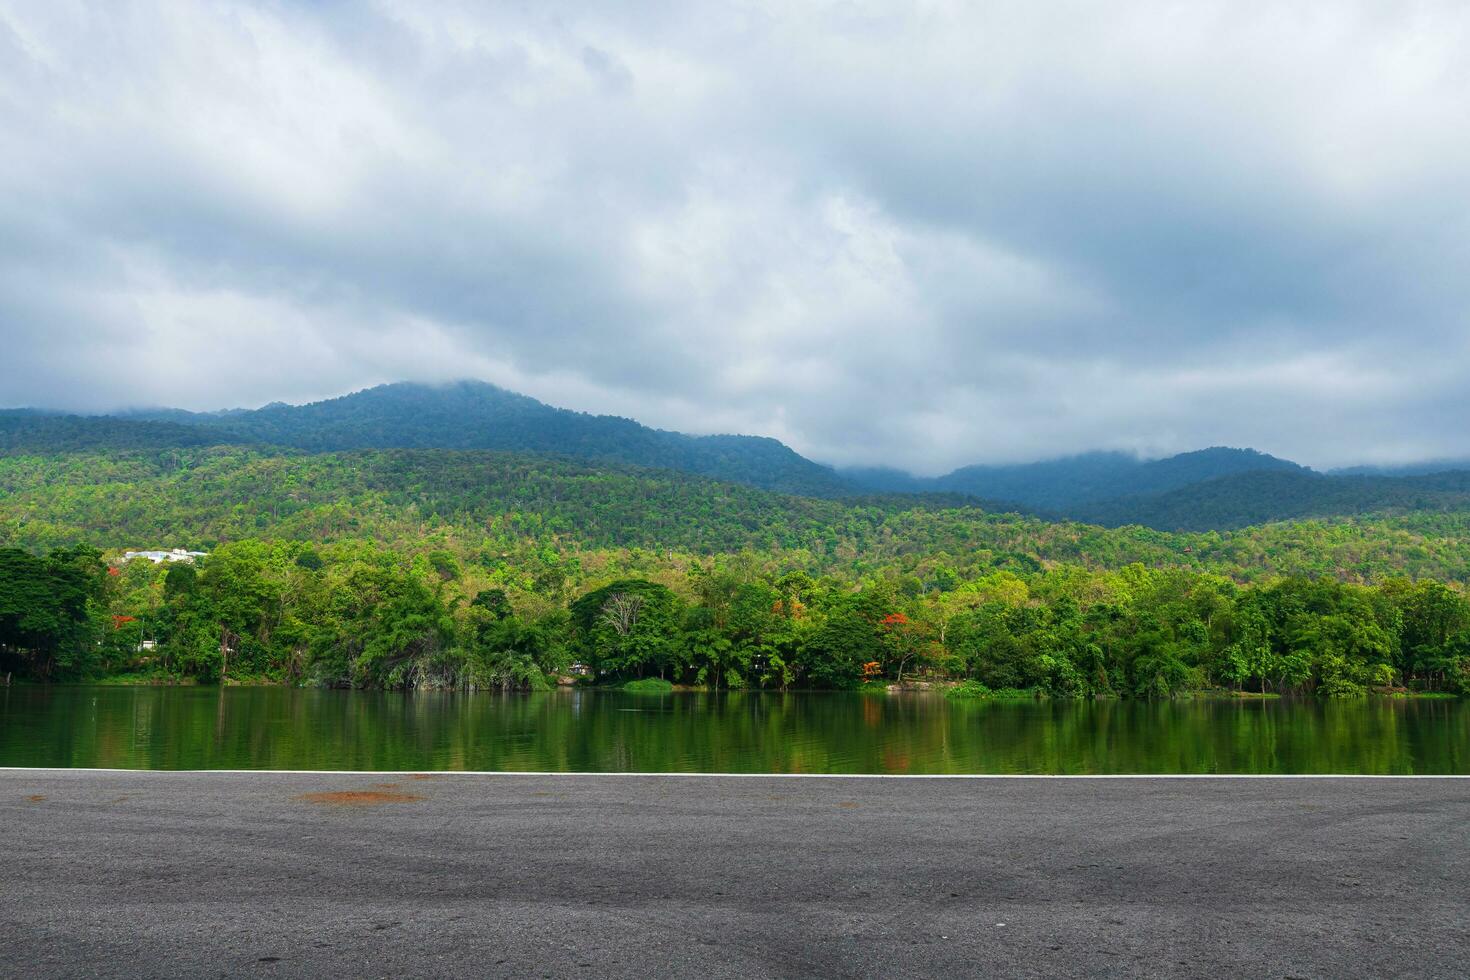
x=927 y=234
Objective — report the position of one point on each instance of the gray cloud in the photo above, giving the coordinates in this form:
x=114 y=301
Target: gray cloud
x=926 y=235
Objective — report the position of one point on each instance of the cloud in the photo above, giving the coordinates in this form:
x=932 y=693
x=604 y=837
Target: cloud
x=924 y=235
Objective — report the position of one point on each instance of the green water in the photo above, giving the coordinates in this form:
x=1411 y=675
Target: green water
x=282 y=728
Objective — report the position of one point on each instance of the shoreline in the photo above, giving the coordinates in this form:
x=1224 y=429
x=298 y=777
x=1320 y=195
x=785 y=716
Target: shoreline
x=691 y=774
x=937 y=688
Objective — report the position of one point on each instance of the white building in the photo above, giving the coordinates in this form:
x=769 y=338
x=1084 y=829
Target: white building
x=159 y=557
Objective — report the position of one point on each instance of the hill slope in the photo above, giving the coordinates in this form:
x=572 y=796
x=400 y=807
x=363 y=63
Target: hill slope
x=489 y=508
x=1212 y=489
x=24 y=431
x=475 y=415
x=1266 y=495
x=1060 y=485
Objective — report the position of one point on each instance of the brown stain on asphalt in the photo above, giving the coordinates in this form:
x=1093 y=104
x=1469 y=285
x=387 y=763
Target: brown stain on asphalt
x=364 y=797
x=38 y=798
x=424 y=775
x=848 y=805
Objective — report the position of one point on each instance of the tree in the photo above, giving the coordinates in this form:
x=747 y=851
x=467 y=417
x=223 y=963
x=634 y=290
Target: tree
x=905 y=640
x=510 y=653
x=494 y=602
x=628 y=628
x=47 y=627
x=1432 y=615
x=834 y=654
x=1251 y=655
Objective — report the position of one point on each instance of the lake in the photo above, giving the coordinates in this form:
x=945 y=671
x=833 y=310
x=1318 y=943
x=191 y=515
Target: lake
x=609 y=731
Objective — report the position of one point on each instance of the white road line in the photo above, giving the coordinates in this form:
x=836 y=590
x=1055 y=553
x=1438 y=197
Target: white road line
x=732 y=775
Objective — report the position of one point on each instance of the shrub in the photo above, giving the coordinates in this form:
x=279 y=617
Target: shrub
x=1016 y=694
x=648 y=685
x=976 y=691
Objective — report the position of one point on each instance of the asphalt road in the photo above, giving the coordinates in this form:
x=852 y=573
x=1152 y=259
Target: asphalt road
x=190 y=874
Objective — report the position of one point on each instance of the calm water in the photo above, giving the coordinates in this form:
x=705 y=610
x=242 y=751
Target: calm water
x=280 y=728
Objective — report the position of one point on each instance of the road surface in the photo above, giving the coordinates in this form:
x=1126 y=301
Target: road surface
x=276 y=874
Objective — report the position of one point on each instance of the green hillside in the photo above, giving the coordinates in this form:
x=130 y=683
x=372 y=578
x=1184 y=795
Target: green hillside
x=492 y=502
x=25 y=431
x=1212 y=489
x=1064 y=485
x=1275 y=495
x=454 y=568
x=475 y=415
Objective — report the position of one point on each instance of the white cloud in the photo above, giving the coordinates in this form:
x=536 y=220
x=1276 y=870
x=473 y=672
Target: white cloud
x=925 y=235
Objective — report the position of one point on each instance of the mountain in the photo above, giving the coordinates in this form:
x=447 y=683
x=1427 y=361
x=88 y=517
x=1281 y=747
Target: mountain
x=883 y=479
x=1425 y=468
x=1061 y=485
x=23 y=431
x=499 y=511
x=1211 y=489
x=1245 y=499
x=476 y=415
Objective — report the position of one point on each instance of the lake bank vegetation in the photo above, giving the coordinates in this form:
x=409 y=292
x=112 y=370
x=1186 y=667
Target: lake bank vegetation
x=435 y=568
x=357 y=613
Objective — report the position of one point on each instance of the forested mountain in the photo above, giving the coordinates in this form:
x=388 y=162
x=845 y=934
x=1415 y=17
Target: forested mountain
x=476 y=415
x=1061 y=485
x=1213 y=489
x=1217 y=488
x=24 y=431
x=1424 y=468
x=1274 y=495
x=486 y=506
x=452 y=568
x=471 y=568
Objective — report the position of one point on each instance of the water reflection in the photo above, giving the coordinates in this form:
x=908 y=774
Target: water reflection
x=280 y=728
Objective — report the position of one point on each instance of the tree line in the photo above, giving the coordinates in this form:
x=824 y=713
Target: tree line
x=359 y=614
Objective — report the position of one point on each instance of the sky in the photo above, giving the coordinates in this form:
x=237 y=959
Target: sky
x=915 y=234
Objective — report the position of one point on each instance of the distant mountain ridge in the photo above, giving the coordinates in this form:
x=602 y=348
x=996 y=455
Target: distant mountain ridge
x=1064 y=484
x=477 y=415
x=1427 y=467
x=1261 y=496
x=1218 y=488
x=28 y=431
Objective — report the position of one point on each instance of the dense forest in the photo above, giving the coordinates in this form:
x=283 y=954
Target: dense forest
x=477 y=504
x=389 y=568
x=354 y=613
x=414 y=536
x=1061 y=485
x=23 y=431
x=1274 y=495
x=1213 y=489
x=1218 y=489
x=475 y=415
